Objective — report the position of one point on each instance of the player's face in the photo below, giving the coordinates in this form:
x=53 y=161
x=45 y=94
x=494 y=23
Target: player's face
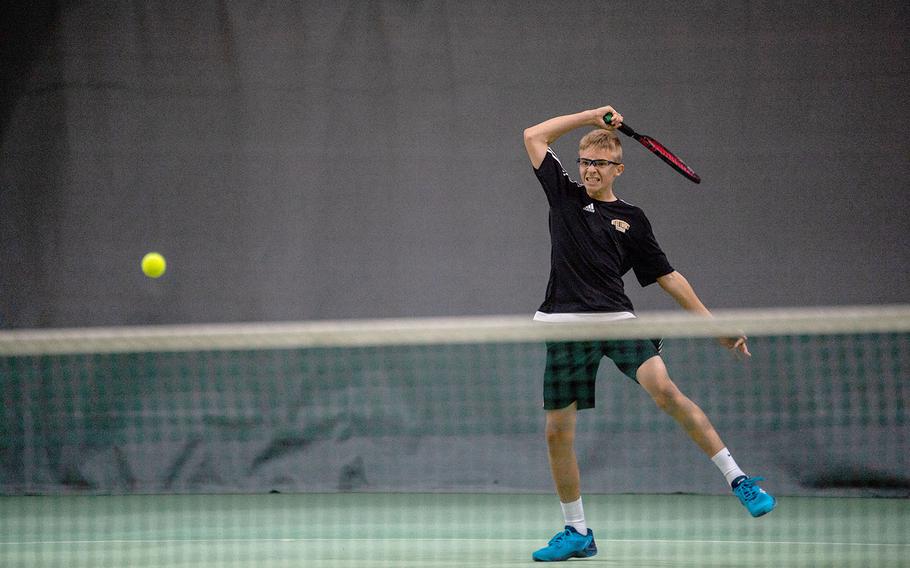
x=598 y=168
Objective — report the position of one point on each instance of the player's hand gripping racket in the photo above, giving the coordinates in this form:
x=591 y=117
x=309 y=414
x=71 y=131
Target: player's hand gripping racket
x=662 y=152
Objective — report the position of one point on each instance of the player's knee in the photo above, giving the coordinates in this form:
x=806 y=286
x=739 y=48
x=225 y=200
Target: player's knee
x=668 y=399
x=558 y=435
x=560 y=440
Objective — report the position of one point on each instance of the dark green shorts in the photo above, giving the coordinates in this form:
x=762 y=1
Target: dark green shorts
x=572 y=367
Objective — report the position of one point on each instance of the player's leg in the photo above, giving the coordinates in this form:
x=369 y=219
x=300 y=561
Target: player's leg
x=653 y=377
x=575 y=540
x=560 y=431
x=568 y=386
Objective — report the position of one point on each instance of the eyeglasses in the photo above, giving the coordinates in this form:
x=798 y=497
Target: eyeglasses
x=584 y=162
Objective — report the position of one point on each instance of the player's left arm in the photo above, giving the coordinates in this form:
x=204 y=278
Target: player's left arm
x=676 y=285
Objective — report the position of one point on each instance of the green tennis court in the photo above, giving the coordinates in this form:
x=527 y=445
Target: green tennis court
x=435 y=530
x=421 y=444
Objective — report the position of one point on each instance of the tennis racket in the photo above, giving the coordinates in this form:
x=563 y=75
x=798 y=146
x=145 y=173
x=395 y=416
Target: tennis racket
x=657 y=148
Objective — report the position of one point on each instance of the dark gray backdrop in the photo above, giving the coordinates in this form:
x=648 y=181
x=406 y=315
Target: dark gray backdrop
x=311 y=160
x=364 y=159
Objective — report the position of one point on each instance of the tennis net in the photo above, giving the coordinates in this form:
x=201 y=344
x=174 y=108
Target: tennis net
x=437 y=406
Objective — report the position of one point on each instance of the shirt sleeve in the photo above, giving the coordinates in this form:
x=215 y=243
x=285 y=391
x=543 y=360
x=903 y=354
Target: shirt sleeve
x=554 y=179
x=649 y=262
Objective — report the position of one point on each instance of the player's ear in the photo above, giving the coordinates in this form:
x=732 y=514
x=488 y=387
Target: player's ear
x=620 y=169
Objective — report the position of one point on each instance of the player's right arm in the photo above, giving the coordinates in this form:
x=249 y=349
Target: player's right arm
x=539 y=137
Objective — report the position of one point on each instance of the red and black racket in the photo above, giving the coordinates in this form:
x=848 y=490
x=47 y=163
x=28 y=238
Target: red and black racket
x=659 y=149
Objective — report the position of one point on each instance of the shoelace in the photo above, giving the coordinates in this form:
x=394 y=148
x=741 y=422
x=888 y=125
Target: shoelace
x=559 y=537
x=747 y=489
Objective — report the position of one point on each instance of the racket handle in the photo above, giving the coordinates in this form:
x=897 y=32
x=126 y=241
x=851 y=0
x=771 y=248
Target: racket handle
x=627 y=130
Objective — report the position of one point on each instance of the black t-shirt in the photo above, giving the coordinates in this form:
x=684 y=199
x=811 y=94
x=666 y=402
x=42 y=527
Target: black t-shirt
x=593 y=244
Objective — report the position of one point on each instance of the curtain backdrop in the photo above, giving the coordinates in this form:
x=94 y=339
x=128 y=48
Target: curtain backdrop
x=322 y=160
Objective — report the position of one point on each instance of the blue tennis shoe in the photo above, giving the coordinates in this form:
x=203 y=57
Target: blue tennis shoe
x=753 y=497
x=567 y=544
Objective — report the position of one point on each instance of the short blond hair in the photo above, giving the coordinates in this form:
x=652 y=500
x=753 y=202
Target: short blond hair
x=603 y=140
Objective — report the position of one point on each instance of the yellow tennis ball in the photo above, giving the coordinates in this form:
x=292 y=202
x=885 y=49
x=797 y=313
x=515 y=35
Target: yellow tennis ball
x=153 y=265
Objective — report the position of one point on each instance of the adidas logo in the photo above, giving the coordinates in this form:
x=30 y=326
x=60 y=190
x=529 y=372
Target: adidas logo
x=589 y=208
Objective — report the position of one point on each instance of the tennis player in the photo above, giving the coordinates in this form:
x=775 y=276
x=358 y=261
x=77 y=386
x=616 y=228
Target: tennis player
x=595 y=239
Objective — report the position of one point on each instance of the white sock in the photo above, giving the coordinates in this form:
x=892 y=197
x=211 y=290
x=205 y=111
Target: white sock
x=574 y=513
x=727 y=465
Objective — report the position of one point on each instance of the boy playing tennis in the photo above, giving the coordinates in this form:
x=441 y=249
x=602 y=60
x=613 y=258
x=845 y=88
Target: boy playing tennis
x=595 y=239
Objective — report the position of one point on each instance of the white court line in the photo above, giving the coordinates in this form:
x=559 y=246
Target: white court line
x=616 y=540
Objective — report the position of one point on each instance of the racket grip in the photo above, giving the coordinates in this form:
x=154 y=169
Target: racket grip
x=622 y=127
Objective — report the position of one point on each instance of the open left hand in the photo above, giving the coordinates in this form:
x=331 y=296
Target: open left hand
x=737 y=345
